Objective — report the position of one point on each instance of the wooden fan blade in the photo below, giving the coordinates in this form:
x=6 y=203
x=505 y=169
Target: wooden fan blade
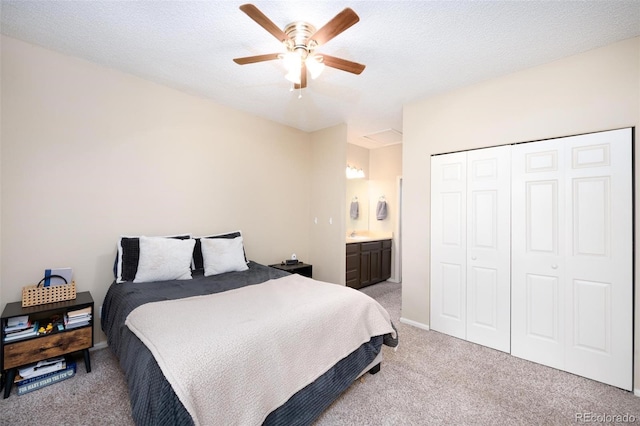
x=342 y=64
x=338 y=24
x=262 y=20
x=257 y=58
x=303 y=78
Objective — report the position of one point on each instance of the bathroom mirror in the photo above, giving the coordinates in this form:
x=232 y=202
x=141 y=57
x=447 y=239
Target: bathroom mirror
x=357 y=192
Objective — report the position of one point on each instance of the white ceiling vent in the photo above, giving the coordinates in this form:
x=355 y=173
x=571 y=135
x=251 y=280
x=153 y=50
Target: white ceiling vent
x=385 y=137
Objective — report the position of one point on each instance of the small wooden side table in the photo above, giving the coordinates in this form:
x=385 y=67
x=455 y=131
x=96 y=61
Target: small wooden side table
x=17 y=353
x=299 y=268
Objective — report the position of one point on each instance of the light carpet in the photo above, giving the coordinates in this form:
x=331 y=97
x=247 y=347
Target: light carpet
x=431 y=379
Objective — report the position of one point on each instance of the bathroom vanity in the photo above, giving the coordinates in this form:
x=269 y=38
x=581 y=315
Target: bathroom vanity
x=368 y=260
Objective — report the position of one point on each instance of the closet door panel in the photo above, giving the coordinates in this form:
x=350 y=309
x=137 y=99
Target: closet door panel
x=572 y=247
x=488 y=247
x=448 y=244
x=541 y=199
x=537 y=294
x=542 y=308
x=599 y=281
x=452 y=291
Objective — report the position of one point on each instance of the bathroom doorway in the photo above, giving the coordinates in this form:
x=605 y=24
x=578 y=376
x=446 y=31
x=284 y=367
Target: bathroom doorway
x=398 y=232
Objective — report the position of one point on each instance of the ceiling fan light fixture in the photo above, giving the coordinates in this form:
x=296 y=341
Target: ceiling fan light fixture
x=293 y=77
x=314 y=65
x=291 y=61
x=300 y=39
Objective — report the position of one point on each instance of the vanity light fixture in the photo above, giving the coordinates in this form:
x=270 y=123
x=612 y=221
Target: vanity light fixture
x=354 y=173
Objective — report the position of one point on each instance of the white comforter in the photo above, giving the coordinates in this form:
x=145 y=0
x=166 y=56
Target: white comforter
x=233 y=357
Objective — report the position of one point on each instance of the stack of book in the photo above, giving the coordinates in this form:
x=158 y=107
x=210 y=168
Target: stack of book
x=77 y=318
x=44 y=373
x=18 y=328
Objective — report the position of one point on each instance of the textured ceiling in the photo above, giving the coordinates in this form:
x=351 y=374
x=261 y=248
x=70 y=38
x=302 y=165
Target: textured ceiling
x=412 y=49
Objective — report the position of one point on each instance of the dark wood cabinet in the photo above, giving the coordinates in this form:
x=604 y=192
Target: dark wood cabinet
x=375 y=266
x=365 y=268
x=368 y=263
x=353 y=265
x=385 y=262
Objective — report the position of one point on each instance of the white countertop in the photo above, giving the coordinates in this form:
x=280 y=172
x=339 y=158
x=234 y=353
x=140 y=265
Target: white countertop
x=365 y=236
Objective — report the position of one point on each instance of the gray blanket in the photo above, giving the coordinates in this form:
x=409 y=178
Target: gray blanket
x=153 y=401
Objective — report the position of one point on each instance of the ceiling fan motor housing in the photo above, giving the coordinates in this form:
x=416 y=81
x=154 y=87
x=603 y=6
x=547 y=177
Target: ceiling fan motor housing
x=299 y=34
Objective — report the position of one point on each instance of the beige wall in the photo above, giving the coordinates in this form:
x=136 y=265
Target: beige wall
x=327 y=204
x=593 y=91
x=89 y=154
x=386 y=167
x=357 y=157
x=2 y=302
x=636 y=348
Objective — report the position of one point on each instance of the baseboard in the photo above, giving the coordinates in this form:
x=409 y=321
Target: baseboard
x=414 y=323
x=636 y=392
x=99 y=345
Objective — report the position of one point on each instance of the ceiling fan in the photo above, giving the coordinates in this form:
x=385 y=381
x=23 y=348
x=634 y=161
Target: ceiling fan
x=300 y=40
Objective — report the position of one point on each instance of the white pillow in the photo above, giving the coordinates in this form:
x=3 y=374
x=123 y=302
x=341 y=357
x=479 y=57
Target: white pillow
x=126 y=264
x=222 y=255
x=163 y=259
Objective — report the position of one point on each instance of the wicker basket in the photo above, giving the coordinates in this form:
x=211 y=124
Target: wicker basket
x=34 y=295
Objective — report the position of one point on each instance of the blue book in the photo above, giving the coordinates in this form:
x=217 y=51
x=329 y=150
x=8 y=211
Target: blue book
x=34 y=383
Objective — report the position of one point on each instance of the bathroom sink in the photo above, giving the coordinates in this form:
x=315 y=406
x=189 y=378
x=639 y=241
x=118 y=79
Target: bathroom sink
x=368 y=237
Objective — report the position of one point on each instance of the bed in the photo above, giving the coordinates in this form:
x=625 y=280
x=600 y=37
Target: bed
x=162 y=396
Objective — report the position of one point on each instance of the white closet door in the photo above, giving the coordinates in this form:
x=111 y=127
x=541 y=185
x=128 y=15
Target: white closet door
x=572 y=255
x=599 y=241
x=448 y=244
x=488 y=247
x=537 y=252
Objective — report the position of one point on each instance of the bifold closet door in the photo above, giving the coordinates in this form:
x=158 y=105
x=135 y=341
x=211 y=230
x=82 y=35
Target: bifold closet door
x=449 y=244
x=489 y=247
x=572 y=247
x=470 y=265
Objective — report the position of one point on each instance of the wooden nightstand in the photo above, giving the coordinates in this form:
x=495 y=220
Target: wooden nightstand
x=299 y=268
x=21 y=352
